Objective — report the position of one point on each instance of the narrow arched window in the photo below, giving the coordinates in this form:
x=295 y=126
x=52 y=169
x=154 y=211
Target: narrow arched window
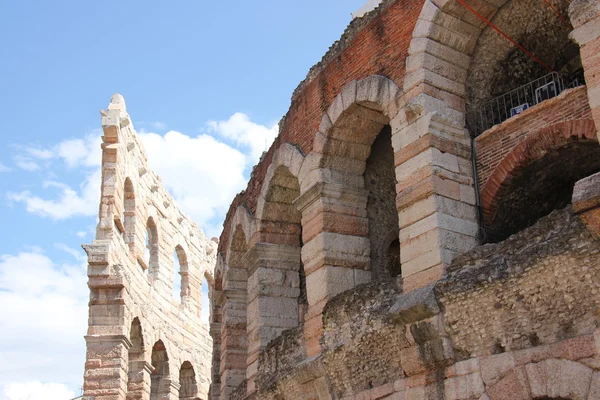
x=151 y=249
x=181 y=286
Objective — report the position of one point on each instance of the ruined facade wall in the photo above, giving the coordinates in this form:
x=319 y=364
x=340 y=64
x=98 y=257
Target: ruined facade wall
x=128 y=288
x=374 y=45
x=510 y=321
x=494 y=144
x=417 y=84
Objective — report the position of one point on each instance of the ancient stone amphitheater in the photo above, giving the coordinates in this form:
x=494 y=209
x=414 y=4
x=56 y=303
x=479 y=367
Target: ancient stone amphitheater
x=425 y=226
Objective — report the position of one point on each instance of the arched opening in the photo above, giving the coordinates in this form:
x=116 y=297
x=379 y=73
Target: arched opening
x=160 y=382
x=359 y=153
x=503 y=79
x=187 y=380
x=281 y=225
x=538 y=176
x=205 y=303
x=151 y=248
x=135 y=383
x=125 y=223
x=181 y=280
x=380 y=181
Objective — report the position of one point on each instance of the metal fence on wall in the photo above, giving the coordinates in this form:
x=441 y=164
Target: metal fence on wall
x=516 y=101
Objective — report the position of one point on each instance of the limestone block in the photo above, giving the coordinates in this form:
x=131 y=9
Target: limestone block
x=416 y=305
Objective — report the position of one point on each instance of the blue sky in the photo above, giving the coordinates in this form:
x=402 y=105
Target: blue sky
x=198 y=77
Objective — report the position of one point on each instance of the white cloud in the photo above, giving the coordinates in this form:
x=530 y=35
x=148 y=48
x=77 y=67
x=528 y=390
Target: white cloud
x=69 y=203
x=250 y=135
x=46 y=313
x=202 y=173
x=26 y=163
x=4 y=168
x=161 y=126
x=79 y=255
x=36 y=390
x=81 y=152
x=81 y=234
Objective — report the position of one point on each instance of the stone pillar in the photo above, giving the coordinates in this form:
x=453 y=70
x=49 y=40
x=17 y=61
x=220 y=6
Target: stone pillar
x=167 y=389
x=106 y=367
x=138 y=387
x=273 y=291
x=234 y=341
x=585 y=18
x=336 y=248
x=435 y=194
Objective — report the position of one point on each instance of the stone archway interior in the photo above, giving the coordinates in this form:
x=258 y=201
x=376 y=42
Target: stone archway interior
x=544 y=185
x=380 y=181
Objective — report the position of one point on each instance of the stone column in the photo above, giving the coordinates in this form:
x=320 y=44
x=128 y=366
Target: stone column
x=273 y=291
x=336 y=248
x=585 y=17
x=167 y=389
x=234 y=341
x=106 y=367
x=138 y=387
x=435 y=193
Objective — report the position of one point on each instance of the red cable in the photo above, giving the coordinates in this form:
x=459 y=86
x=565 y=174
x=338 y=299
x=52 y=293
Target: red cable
x=557 y=13
x=481 y=17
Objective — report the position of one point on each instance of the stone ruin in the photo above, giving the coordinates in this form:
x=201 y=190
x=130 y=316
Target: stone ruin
x=389 y=244
x=142 y=342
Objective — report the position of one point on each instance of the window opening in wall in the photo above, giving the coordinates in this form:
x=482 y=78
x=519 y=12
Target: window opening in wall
x=380 y=181
x=180 y=274
x=128 y=218
x=516 y=101
x=146 y=252
x=150 y=256
x=159 y=385
x=176 y=277
x=187 y=380
x=205 y=311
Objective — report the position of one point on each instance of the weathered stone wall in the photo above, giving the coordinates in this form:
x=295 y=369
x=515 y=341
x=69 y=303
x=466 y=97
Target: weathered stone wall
x=513 y=320
x=140 y=338
x=406 y=65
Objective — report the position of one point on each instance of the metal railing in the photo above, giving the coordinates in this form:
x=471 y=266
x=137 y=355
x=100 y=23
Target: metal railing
x=516 y=101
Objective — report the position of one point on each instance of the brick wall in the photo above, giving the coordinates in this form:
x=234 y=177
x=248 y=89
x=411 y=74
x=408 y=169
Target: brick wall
x=374 y=45
x=495 y=143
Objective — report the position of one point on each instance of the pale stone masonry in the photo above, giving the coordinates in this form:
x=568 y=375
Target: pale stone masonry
x=143 y=342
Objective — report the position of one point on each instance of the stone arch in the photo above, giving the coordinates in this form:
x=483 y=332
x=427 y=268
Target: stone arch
x=512 y=196
x=552 y=379
x=355 y=154
x=181 y=278
x=137 y=362
x=232 y=309
x=450 y=43
x=128 y=219
x=160 y=386
x=152 y=249
x=188 y=389
x=275 y=270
